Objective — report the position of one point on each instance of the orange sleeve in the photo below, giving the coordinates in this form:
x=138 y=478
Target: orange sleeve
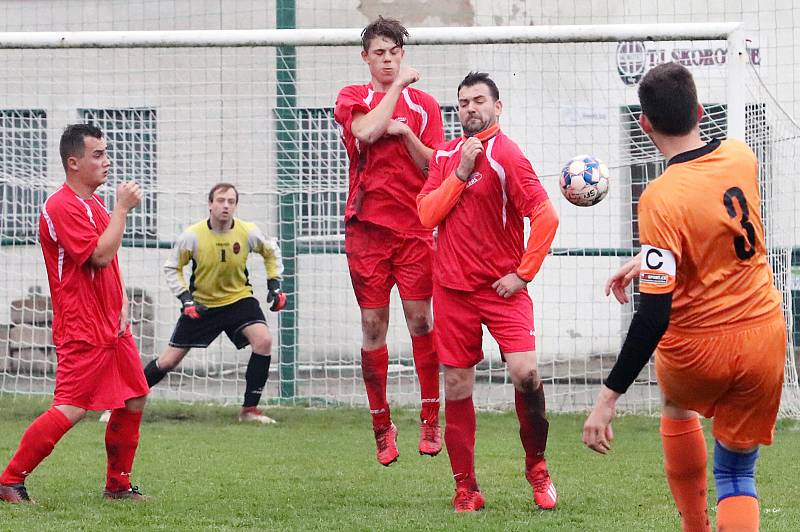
x=433 y=206
x=544 y=222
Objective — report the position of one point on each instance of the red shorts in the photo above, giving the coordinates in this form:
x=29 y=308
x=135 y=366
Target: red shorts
x=458 y=317
x=99 y=378
x=734 y=377
x=379 y=258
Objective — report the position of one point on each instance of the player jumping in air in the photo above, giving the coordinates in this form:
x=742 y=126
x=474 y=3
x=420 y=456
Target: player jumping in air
x=708 y=303
x=389 y=130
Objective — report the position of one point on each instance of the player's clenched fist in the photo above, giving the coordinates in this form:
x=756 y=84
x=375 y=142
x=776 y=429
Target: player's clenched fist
x=406 y=76
x=397 y=128
x=469 y=152
x=129 y=194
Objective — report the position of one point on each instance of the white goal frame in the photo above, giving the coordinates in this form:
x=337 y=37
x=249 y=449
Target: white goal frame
x=731 y=32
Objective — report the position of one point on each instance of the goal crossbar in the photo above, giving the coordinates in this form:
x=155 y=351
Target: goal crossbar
x=352 y=36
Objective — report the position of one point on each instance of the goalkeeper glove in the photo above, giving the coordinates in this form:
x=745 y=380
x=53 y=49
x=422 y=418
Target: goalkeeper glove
x=275 y=296
x=190 y=308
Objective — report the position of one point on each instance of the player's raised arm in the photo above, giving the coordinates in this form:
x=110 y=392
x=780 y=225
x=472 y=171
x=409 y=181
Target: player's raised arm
x=418 y=151
x=438 y=196
x=422 y=147
x=129 y=194
x=369 y=127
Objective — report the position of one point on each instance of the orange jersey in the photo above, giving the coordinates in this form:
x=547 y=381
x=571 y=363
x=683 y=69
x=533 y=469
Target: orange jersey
x=703 y=239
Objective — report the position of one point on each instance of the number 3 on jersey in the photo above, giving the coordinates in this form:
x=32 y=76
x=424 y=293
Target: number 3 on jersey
x=739 y=244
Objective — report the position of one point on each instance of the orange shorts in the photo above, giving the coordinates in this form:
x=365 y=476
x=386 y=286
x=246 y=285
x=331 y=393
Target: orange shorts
x=734 y=376
x=379 y=258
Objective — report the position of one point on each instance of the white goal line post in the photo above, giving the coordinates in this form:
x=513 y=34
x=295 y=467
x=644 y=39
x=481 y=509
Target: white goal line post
x=732 y=32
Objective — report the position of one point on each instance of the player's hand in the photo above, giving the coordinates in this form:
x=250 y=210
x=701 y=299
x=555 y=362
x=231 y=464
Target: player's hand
x=397 y=128
x=618 y=282
x=508 y=285
x=597 y=431
x=406 y=76
x=190 y=308
x=469 y=152
x=129 y=194
x=275 y=296
x=194 y=310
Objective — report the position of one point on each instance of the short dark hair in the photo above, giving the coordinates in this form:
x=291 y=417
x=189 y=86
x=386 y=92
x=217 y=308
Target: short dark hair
x=222 y=187
x=668 y=97
x=473 y=78
x=72 y=145
x=384 y=27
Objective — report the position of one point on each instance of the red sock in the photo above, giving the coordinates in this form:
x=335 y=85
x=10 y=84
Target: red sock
x=426 y=363
x=374 y=367
x=685 y=457
x=122 y=439
x=459 y=437
x=533 y=424
x=37 y=443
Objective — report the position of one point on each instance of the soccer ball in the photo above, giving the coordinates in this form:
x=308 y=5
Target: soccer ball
x=584 y=180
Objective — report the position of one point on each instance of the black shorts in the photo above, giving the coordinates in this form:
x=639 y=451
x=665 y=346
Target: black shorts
x=231 y=318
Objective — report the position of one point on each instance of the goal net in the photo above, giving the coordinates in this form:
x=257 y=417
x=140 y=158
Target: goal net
x=184 y=110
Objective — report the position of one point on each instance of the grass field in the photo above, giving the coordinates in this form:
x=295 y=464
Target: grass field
x=316 y=470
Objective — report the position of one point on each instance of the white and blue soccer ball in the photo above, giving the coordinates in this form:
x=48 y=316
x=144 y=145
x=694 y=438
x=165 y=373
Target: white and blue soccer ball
x=584 y=180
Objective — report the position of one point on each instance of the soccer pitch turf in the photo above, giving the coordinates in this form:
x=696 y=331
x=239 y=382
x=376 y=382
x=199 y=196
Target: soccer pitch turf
x=316 y=470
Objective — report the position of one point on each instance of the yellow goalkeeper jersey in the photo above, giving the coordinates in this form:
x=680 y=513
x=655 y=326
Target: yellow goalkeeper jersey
x=219 y=273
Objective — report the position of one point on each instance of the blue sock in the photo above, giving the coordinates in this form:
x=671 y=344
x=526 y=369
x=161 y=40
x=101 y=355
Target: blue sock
x=734 y=473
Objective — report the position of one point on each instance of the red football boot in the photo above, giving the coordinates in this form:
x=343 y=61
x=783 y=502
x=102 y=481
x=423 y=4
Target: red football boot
x=430 y=438
x=14 y=493
x=467 y=499
x=544 y=492
x=386 y=443
x=130 y=494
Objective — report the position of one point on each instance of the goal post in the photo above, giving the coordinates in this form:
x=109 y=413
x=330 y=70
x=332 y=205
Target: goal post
x=185 y=109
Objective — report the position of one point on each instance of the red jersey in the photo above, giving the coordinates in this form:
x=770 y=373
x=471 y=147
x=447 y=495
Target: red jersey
x=481 y=238
x=384 y=180
x=86 y=300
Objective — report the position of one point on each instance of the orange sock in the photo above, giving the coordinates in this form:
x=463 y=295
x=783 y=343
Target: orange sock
x=685 y=458
x=738 y=514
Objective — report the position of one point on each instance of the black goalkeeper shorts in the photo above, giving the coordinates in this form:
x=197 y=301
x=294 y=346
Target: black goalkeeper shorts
x=231 y=319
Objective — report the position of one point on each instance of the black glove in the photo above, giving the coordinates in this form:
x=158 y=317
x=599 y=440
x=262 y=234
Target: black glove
x=275 y=296
x=190 y=308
